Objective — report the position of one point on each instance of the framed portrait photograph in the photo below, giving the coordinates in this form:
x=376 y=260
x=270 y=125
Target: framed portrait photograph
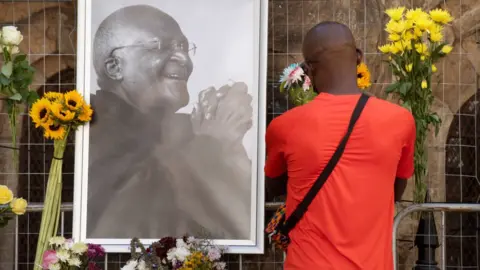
x=176 y=143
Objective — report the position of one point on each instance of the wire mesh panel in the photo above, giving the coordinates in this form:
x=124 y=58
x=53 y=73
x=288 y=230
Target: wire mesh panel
x=50 y=39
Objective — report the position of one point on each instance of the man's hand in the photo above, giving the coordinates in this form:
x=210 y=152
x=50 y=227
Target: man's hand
x=225 y=114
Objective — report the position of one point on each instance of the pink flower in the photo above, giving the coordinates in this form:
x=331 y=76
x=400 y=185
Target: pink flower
x=307 y=83
x=49 y=258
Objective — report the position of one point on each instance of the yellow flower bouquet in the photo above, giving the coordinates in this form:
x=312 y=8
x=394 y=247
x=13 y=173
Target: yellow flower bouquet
x=10 y=205
x=415 y=45
x=57 y=115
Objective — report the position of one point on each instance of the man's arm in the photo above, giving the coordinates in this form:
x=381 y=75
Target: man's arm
x=275 y=187
x=405 y=166
x=275 y=165
x=400 y=185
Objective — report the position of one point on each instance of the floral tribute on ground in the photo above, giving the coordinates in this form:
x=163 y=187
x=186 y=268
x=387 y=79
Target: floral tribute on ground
x=10 y=206
x=57 y=115
x=416 y=44
x=65 y=254
x=186 y=253
x=295 y=82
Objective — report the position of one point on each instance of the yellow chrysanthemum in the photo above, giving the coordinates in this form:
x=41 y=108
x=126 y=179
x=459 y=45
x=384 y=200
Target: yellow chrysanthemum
x=424 y=84
x=384 y=48
x=399 y=46
x=408 y=36
x=62 y=113
x=40 y=112
x=421 y=48
x=441 y=16
x=73 y=100
x=447 y=49
x=395 y=27
x=417 y=33
x=395 y=13
x=53 y=96
x=86 y=113
x=423 y=23
x=434 y=68
x=415 y=14
x=409 y=67
x=54 y=132
x=363 y=76
x=394 y=37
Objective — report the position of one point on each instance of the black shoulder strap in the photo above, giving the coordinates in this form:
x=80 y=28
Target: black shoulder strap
x=293 y=219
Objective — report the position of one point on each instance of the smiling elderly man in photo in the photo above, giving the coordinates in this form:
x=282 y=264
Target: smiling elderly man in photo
x=153 y=171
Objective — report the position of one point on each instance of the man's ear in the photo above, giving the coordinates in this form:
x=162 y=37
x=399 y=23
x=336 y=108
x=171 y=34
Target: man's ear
x=113 y=68
x=359 y=56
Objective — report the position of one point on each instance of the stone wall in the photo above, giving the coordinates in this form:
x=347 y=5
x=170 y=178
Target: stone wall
x=50 y=40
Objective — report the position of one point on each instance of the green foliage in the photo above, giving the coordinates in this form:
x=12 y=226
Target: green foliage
x=297 y=95
x=419 y=100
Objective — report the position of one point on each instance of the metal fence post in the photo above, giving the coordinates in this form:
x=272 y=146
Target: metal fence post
x=426 y=241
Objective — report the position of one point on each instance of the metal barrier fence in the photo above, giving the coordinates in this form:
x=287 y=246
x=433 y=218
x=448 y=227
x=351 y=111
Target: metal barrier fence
x=426 y=207
x=431 y=207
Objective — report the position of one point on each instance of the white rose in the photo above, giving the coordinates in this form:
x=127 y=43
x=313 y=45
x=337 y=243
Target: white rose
x=11 y=36
x=14 y=49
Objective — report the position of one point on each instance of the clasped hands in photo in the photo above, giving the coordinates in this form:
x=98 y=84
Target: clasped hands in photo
x=225 y=114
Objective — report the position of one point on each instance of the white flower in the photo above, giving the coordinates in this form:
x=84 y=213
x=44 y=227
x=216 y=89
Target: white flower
x=220 y=265
x=11 y=36
x=190 y=239
x=74 y=261
x=181 y=243
x=55 y=266
x=214 y=253
x=131 y=265
x=306 y=84
x=68 y=244
x=295 y=75
x=178 y=253
x=63 y=255
x=79 y=248
x=142 y=266
x=57 y=241
x=13 y=49
x=287 y=71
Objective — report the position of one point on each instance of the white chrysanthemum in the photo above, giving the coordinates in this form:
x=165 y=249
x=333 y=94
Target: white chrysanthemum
x=79 y=248
x=74 y=261
x=57 y=241
x=296 y=75
x=131 y=265
x=287 y=71
x=63 y=255
x=55 y=266
x=220 y=266
x=178 y=254
x=142 y=265
x=306 y=84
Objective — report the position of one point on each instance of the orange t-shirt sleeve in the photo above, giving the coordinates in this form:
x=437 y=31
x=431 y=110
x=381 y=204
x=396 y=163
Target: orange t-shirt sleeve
x=274 y=140
x=405 y=166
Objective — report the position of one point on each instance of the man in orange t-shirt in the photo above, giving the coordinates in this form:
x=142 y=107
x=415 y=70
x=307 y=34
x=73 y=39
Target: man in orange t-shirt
x=349 y=224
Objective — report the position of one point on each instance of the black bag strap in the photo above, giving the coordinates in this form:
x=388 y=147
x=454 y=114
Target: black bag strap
x=302 y=207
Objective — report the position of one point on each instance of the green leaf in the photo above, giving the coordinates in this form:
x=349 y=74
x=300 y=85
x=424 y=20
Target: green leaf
x=32 y=97
x=404 y=87
x=4 y=80
x=407 y=105
x=16 y=97
x=19 y=58
x=7 y=69
x=392 y=87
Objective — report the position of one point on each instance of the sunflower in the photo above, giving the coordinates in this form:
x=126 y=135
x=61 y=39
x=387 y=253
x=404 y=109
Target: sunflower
x=40 y=112
x=73 y=100
x=86 y=114
x=53 y=96
x=61 y=113
x=54 y=131
x=363 y=76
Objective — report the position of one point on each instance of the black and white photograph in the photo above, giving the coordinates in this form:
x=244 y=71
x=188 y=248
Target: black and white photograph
x=174 y=146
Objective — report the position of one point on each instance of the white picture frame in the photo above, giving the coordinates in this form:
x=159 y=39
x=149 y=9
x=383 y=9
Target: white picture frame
x=259 y=33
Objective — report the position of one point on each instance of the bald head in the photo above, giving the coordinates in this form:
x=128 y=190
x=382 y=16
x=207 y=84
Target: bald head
x=330 y=53
x=328 y=36
x=131 y=25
